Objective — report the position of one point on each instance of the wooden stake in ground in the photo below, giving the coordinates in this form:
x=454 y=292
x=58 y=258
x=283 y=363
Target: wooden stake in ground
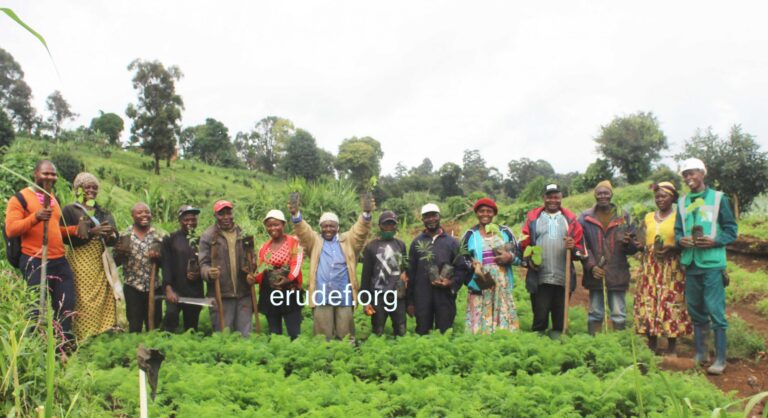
x=567 y=289
x=217 y=285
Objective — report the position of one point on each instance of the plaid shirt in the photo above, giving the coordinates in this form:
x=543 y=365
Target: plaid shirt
x=138 y=267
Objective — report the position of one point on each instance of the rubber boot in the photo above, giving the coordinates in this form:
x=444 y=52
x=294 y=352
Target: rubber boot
x=619 y=326
x=593 y=327
x=554 y=334
x=653 y=342
x=671 y=346
x=720 y=345
x=700 y=337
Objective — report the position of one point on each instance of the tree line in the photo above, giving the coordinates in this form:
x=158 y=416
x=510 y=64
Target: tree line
x=630 y=147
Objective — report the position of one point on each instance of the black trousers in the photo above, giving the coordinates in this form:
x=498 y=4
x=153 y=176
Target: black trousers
x=136 y=309
x=548 y=300
x=397 y=315
x=191 y=315
x=436 y=309
x=292 y=323
x=61 y=288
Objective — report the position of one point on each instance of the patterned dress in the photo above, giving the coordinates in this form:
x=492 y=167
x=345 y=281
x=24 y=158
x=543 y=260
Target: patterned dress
x=494 y=309
x=95 y=305
x=660 y=308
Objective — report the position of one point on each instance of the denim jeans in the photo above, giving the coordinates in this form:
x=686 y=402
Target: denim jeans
x=616 y=303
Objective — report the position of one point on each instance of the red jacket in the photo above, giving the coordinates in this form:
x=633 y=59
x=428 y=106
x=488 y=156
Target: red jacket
x=528 y=237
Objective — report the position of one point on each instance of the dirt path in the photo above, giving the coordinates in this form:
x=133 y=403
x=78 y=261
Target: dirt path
x=745 y=376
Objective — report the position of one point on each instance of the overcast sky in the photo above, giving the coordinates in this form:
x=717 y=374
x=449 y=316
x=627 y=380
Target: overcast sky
x=425 y=78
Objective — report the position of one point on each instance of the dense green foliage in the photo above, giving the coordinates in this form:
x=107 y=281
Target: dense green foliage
x=210 y=143
x=110 y=124
x=15 y=94
x=735 y=165
x=632 y=143
x=59 y=110
x=7 y=135
x=303 y=158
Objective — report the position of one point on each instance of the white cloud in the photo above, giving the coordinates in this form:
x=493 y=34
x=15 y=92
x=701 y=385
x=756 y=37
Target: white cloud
x=427 y=79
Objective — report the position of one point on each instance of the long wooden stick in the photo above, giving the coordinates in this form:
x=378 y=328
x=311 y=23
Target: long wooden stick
x=217 y=284
x=567 y=289
x=151 y=306
x=254 y=301
x=44 y=260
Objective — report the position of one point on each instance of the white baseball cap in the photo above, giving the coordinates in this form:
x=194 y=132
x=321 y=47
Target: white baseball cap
x=692 y=164
x=276 y=214
x=429 y=207
x=329 y=217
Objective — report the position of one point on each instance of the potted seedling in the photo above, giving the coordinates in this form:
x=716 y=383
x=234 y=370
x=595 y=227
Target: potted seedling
x=401 y=284
x=193 y=238
x=426 y=255
x=533 y=253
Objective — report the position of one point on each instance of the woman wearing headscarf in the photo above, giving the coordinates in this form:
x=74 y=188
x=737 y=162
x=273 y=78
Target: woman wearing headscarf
x=491 y=252
x=279 y=277
x=94 y=297
x=660 y=309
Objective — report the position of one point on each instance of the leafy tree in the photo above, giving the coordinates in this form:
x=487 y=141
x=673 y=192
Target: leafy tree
x=474 y=172
x=522 y=171
x=303 y=158
x=60 y=111
x=359 y=159
x=110 y=124
x=264 y=147
x=157 y=116
x=423 y=169
x=534 y=190
x=664 y=173
x=596 y=172
x=735 y=165
x=209 y=143
x=450 y=175
x=6 y=130
x=15 y=94
x=632 y=143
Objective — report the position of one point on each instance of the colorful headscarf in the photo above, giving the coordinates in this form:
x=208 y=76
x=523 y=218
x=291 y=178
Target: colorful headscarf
x=666 y=187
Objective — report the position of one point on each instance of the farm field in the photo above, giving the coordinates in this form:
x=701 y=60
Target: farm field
x=457 y=374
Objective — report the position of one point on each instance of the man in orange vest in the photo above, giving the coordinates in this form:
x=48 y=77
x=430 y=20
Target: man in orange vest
x=25 y=218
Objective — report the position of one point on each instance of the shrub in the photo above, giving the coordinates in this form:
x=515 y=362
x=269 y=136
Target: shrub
x=67 y=165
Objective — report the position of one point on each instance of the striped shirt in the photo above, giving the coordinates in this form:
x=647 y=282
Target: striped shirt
x=550 y=231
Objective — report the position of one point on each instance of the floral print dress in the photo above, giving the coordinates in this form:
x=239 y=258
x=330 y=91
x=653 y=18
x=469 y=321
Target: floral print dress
x=493 y=309
x=660 y=307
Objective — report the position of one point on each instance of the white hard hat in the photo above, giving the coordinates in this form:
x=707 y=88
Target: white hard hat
x=429 y=207
x=692 y=164
x=276 y=214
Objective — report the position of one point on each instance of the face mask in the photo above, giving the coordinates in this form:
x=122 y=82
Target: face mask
x=387 y=235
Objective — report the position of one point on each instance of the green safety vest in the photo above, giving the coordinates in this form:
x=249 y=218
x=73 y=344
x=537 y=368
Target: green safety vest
x=706 y=216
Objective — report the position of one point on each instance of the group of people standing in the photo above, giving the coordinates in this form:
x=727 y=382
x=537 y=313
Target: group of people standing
x=680 y=289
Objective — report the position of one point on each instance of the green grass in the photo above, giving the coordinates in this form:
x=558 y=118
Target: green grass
x=746 y=286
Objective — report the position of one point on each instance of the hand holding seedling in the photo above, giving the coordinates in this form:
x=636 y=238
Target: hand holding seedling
x=43 y=214
x=687 y=242
x=504 y=259
x=103 y=230
x=293 y=204
x=368 y=203
x=193 y=275
x=704 y=242
x=627 y=238
x=442 y=282
x=214 y=273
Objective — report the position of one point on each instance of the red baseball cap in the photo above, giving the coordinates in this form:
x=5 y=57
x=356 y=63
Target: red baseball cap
x=221 y=204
